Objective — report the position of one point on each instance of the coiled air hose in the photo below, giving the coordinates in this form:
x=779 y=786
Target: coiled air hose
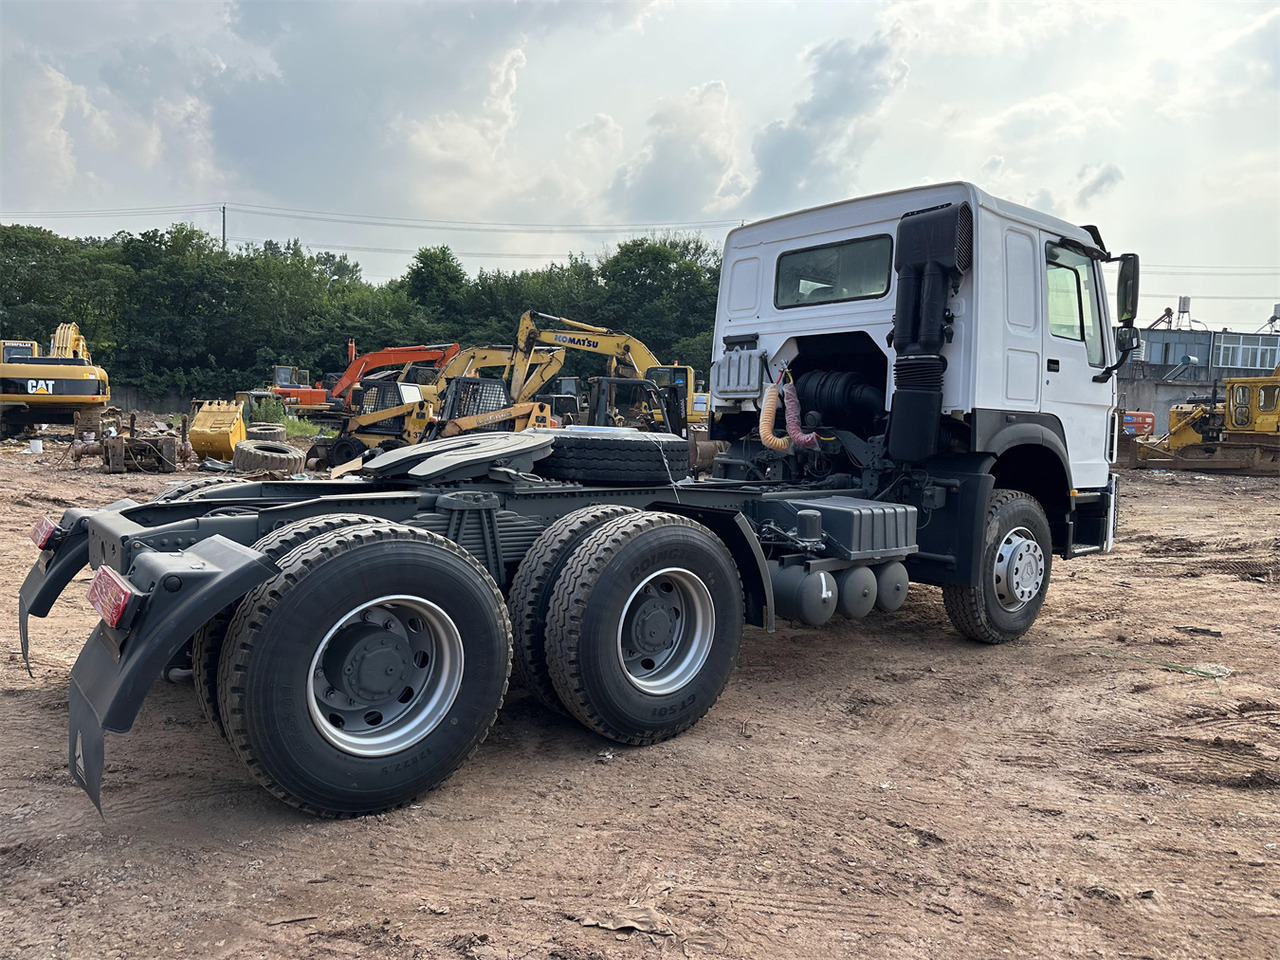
x=769 y=409
x=792 y=402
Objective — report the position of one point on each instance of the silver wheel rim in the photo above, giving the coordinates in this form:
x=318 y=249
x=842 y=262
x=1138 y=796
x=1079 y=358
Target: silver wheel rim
x=665 y=632
x=1019 y=569
x=392 y=642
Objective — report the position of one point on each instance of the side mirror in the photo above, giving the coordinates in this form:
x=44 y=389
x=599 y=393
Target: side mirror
x=1127 y=290
x=1127 y=338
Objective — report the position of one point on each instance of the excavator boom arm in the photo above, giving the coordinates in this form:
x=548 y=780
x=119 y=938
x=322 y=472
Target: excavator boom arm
x=439 y=354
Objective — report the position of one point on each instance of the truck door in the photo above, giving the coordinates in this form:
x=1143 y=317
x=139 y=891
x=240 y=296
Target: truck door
x=1075 y=350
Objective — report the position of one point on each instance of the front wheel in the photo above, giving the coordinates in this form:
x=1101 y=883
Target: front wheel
x=366 y=671
x=1013 y=575
x=644 y=627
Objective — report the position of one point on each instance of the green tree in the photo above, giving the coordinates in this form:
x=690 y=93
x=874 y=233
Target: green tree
x=437 y=281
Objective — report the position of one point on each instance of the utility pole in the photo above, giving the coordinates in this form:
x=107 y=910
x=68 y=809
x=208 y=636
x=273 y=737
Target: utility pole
x=224 y=228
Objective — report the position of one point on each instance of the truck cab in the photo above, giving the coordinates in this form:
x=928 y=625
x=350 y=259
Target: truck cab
x=938 y=330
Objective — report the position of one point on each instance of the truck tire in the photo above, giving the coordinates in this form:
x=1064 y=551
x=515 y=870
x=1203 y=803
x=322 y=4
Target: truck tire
x=1014 y=572
x=191 y=489
x=266 y=431
x=365 y=672
x=529 y=596
x=206 y=645
x=256 y=456
x=624 y=457
x=644 y=627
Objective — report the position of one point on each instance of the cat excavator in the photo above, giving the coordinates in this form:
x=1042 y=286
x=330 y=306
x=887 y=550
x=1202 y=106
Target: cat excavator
x=60 y=387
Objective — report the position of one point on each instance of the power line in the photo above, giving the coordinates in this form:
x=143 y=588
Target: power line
x=456 y=253
x=445 y=226
x=376 y=219
x=404 y=223
x=1194 y=296
x=123 y=212
x=1209 y=273
x=1201 y=266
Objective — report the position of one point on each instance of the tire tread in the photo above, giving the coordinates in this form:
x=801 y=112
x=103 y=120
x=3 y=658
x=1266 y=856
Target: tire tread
x=260 y=603
x=565 y=620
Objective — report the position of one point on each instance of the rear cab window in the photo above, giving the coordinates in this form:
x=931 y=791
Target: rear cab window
x=858 y=269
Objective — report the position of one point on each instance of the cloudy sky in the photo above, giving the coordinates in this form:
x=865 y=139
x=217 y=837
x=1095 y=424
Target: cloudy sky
x=518 y=132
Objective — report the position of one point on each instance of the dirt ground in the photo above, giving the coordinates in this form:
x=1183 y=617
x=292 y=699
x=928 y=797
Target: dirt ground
x=876 y=789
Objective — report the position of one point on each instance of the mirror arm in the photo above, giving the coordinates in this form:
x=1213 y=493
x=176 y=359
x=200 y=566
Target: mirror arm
x=1105 y=375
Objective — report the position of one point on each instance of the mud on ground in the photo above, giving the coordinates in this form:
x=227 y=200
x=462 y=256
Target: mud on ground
x=876 y=789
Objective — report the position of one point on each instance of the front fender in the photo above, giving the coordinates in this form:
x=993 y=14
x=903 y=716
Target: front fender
x=115 y=669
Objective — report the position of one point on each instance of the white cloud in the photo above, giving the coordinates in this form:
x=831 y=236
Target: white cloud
x=39 y=155
x=687 y=164
x=1096 y=180
x=813 y=155
x=1226 y=68
x=1050 y=118
x=996 y=28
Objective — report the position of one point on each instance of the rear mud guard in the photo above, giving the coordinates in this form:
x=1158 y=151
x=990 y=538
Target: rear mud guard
x=114 y=671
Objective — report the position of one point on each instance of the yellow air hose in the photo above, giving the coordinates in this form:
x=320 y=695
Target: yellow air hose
x=768 y=410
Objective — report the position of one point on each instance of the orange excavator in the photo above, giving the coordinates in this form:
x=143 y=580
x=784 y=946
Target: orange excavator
x=323 y=398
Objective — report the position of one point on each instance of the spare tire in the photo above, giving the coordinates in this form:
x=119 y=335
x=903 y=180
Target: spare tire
x=253 y=456
x=615 y=455
x=265 y=431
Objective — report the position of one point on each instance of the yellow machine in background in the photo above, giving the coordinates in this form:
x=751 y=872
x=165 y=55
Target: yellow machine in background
x=216 y=427
x=628 y=357
x=53 y=388
x=1238 y=432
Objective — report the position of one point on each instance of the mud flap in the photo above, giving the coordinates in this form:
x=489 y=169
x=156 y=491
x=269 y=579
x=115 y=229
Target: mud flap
x=116 y=669
x=45 y=582
x=85 y=748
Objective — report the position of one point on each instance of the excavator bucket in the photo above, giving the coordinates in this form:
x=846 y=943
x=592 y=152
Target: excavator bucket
x=216 y=427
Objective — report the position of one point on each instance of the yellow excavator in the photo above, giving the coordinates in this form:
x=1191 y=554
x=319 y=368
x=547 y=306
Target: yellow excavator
x=56 y=388
x=1235 y=432
x=628 y=357
x=390 y=410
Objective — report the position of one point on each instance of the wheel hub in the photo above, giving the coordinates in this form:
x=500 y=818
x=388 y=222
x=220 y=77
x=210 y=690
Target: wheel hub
x=1019 y=569
x=665 y=634
x=368 y=663
x=653 y=628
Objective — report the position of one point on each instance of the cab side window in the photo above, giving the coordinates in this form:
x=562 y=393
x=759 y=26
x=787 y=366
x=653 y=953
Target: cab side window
x=1073 y=301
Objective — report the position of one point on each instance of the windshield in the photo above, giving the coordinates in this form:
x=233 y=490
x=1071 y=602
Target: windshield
x=15 y=351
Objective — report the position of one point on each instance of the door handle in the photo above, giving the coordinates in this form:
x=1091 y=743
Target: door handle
x=1053 y=366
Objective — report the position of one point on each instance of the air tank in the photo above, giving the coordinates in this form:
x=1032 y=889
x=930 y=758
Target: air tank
x=804 y=596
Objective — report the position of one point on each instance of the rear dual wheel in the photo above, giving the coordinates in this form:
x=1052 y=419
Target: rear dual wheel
x=367 y=671
x=644 y=625
x=529 y=598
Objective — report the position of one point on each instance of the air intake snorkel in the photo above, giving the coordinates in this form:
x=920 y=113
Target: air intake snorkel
x=934 y=250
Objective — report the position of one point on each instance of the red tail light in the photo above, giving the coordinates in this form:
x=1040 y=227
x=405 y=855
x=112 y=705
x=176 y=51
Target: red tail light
x=109 y=594
x=43 y=531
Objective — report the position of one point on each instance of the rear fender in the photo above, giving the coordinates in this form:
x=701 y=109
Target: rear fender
x=115 y=669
